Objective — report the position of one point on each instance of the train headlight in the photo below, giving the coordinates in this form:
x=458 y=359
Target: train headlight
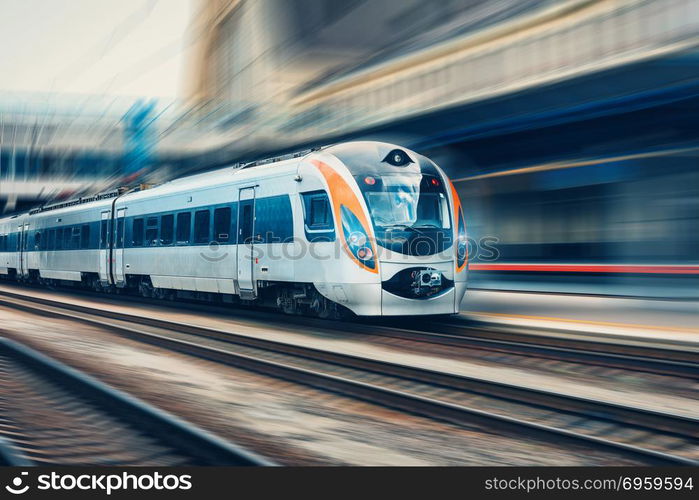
x=365 y=253
x=397 y=158
x=357 y=239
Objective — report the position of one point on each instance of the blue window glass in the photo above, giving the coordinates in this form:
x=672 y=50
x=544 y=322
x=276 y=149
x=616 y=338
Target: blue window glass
x=318 y=220
x=151 y=232
x=202 y=227
x=137 y=233
x=167 y=229
x=184 y=228
x=274 y=222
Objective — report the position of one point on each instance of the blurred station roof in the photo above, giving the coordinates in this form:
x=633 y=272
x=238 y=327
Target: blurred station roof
x=272 y=75
x=268 y=76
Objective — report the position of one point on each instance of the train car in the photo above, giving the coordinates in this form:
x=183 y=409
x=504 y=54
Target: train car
x=11 y=230
x=63 y=242
x=366 y=227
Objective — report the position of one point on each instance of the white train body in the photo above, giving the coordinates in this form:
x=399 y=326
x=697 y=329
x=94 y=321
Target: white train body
x=365 y=226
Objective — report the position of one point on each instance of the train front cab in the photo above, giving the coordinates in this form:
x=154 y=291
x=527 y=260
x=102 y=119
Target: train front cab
x=400 y=224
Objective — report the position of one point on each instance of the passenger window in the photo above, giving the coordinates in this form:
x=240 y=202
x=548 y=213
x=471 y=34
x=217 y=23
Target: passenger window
x=152 y=231
x=201 y=227
x=75 y=240
x=66 y=238
x=59 y=238
x=137 y=233
x=37 y=241
x=222 y=224
x=51 y=243
x=85 y=237
x=274 y=222
x=167 y=229
x=184 y=228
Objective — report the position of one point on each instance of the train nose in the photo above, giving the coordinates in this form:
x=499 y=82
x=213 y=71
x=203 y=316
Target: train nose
x=417 y=283
x=416 y=288
x=428 y=278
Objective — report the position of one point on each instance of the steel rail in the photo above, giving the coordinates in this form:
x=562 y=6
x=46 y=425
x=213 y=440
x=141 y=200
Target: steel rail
x=133 y=327
x=197 y=446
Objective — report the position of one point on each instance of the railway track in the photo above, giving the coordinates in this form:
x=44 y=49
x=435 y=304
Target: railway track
x=666 y=359
x=52 y=414
x=651 y=436
x=608 y=351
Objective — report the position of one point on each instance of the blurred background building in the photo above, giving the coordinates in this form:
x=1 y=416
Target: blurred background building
x=568 y=126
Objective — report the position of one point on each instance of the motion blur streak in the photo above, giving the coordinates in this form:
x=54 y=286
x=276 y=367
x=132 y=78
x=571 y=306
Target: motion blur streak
x=569 y=125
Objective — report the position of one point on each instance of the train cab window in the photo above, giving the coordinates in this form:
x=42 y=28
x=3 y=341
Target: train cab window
x=151 y=232
x=137 y=233
x=184 y=228
x=37 y=241
x=85 y=237
x=318 y=221
x=320 y=213
x=201 y=227
x=167 y=229
x=103 y=233
x=222 y=224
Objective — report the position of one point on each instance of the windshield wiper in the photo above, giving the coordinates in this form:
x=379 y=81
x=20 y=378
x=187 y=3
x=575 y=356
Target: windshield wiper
x=401 y=227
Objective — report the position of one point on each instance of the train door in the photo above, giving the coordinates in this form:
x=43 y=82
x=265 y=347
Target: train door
x=118 y=248
x=245 y=246
x=23 y=230
x=104 y=248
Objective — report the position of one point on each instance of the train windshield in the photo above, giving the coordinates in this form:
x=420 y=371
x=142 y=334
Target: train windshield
x=409 y=211
x=406 y=201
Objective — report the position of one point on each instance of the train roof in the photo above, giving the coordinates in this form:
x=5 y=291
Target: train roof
x=272 y=167
x=226 y=175
x=11 y=218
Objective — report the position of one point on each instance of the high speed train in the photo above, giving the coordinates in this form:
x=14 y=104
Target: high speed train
x=367 y=227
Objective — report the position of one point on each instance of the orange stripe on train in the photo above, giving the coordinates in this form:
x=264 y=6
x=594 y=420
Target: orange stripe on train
x=457 y=212
x=341 y=193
